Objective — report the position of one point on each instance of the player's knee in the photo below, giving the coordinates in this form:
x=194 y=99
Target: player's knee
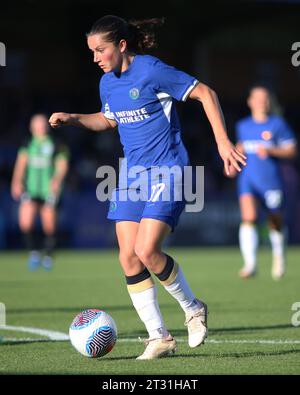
x=128 y=259
x=25 y=226
x=146 y=256
x=141 y=252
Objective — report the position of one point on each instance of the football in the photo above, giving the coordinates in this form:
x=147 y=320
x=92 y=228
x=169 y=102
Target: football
x=93 y=333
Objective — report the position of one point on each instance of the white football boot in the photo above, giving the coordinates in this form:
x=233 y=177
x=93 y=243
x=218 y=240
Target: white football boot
x=247 y=273
x=278 y=267
x=156 y=348
x=197 y=326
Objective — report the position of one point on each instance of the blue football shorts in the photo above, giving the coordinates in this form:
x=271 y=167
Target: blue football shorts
x=148 y=195
x=269 y=193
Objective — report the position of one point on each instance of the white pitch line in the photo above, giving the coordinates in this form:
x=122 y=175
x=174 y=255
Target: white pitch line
x=52 y=335
x=23 y=340
x=224 y=341
x=179 y=340
x=253 y=341
x=60 y=336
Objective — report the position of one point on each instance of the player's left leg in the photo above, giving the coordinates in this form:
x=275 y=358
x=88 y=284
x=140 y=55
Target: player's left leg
x=142 y=291
x=27 y=214
x=273 y=200
x=276 y=235
x=150 y=236
x=48 y=219
x=248 y=236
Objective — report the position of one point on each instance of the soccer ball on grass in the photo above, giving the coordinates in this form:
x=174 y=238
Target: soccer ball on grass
x=93 y=333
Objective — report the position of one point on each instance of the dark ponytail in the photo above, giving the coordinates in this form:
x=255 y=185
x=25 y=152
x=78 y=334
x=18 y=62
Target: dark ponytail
x=139 y=34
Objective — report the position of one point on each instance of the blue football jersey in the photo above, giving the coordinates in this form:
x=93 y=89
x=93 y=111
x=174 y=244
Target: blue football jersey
x=141 y=100
x=275 y=132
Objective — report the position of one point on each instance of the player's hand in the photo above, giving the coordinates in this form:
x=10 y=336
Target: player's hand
x=17 y=190
x=262 y=151
x=232 y=172
x=231 y=156
x=59 y=119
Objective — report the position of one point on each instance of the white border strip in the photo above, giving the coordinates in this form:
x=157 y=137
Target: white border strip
x=190 y=88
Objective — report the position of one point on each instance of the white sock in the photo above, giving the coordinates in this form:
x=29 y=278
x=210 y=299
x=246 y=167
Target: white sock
x=248 y=239
x=146 y=305
x=277 y=243
x=181 y=291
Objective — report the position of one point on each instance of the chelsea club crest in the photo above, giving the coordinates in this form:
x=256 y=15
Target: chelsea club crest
x=112 y=206
x=134 y=93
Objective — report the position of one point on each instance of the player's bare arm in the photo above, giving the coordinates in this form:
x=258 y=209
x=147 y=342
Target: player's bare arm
x=61 y=169
x=96 y=122
x=18 y=175
x=288 y=151
x=228 y=152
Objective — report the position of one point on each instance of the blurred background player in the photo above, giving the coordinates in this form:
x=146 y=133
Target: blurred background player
x=39 y=171
x=265 y=138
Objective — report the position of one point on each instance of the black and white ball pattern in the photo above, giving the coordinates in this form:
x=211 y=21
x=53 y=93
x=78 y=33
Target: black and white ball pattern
x=101 y=342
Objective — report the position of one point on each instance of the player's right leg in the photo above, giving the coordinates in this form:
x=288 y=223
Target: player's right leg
x=248 y=237
x=27 y=214
x=143 y=293
x=272 y=198
x=148 y=247
x=277 y=240
x=48 y=218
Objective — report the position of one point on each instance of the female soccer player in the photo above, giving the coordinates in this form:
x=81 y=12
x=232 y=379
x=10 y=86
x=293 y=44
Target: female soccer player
x=137 y=94
x=39 y=171
x=265 y=139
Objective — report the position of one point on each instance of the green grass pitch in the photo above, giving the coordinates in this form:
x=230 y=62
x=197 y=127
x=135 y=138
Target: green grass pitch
x=250 y=329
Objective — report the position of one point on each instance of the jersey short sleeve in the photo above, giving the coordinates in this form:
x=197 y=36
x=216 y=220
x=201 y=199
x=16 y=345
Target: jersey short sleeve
x=61 y=151
x=103 y=90
x=23 y=149
x=168 y=79
x=285 y=135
